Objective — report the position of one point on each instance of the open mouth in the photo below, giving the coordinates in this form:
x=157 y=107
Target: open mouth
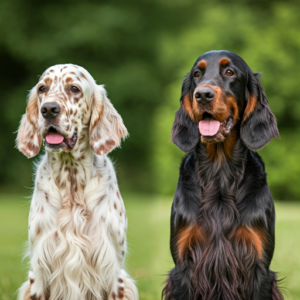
x=214 y=131
x=55 y=140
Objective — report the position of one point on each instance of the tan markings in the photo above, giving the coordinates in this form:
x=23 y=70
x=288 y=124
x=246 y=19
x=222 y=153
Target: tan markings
x=121 y=292
x=187 y=106
x=31 y=281
x=230 y=142
x=188 y=237
x=250 y=237
x=69 y=80
x=118 y=195
x=232 y=105
x=27 y=294
x=217 y=107
x=224 y=62
x=34 y=297
x=51 y=71
x=32 y=110
x=115 y=205
x=96 y=116
x=31 y=149
x=251 y=105
x=220 y=152
x=101 y=198
x=105 y=148
x=83 y=75
x=202 y=64
x=72 y=73
x=38 y=230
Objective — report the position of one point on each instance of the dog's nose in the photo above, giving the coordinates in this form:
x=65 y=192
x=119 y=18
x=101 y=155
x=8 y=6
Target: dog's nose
x=50 y=110
x=204 y=95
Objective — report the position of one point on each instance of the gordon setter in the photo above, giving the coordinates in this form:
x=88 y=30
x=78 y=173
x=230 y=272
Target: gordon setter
x=223 y=217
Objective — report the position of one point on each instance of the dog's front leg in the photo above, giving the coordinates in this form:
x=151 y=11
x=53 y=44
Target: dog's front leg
x=123 y=286
x=42 y=224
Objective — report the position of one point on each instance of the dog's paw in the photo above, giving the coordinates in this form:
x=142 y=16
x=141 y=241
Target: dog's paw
x=118 y=291
x=36 y=288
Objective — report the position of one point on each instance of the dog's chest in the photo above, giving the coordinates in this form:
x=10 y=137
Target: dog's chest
x=67 y=201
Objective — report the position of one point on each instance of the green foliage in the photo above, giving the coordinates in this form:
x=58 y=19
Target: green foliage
x=148 y=259
x=141 y=50
x=268 y=42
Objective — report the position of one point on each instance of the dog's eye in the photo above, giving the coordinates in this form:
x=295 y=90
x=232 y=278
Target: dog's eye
x=75 y=89
x=42 y=88
x=229 y=72
x=197 y=74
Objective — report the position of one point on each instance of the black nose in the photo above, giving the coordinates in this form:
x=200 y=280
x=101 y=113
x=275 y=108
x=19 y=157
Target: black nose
x=50 y=110
x=204 y=95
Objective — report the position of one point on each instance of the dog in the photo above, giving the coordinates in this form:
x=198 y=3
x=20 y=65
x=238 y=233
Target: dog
x=223 y=217
x=77 y=221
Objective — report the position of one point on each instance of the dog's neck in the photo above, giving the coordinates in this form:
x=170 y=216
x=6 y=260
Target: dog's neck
x=219 y=182
x=221 y=164
x=72 y=170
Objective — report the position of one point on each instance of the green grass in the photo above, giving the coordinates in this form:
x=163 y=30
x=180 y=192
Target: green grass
x=148 y=238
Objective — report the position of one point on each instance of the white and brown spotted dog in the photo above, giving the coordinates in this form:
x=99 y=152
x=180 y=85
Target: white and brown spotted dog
x=77 y=221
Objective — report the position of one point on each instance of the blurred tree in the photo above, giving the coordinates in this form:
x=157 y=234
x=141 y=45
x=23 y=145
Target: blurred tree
x=140 y=50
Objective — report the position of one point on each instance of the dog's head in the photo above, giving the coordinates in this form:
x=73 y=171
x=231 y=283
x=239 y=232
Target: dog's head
x=221 y=93
x=66 y=109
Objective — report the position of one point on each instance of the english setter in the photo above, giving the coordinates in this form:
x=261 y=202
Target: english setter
x=77 y=220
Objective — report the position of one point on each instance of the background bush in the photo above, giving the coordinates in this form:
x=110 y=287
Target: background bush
x=141 y=51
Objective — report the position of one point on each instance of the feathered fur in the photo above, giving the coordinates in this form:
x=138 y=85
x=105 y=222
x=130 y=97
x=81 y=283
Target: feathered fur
x=77 y=221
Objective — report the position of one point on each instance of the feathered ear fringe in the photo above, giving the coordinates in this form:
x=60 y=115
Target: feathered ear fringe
x=185 y=133
x=29 y=140
x=259 y=123
x=106 y=125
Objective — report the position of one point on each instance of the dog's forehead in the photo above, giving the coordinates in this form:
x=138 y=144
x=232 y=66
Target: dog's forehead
x=66 y=71
x=216 y=58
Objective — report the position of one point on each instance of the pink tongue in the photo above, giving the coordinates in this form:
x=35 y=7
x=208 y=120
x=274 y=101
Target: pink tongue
x=54 y=138
x=209 y=127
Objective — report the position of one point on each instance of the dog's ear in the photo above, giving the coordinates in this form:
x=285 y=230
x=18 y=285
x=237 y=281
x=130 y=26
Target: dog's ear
x=259 y=123
x=106 y=125
x=29 y=140
x=185 y=132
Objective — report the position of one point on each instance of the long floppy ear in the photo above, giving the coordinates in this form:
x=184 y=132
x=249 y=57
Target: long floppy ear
x=29 y=140
x=185 y=133
x=106 y=125
x=259 y=123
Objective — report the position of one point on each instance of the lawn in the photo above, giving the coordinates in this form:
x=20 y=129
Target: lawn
x=148 y=238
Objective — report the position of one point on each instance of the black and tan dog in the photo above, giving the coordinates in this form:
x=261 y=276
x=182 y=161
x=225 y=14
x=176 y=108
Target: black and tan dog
x=223 y=218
